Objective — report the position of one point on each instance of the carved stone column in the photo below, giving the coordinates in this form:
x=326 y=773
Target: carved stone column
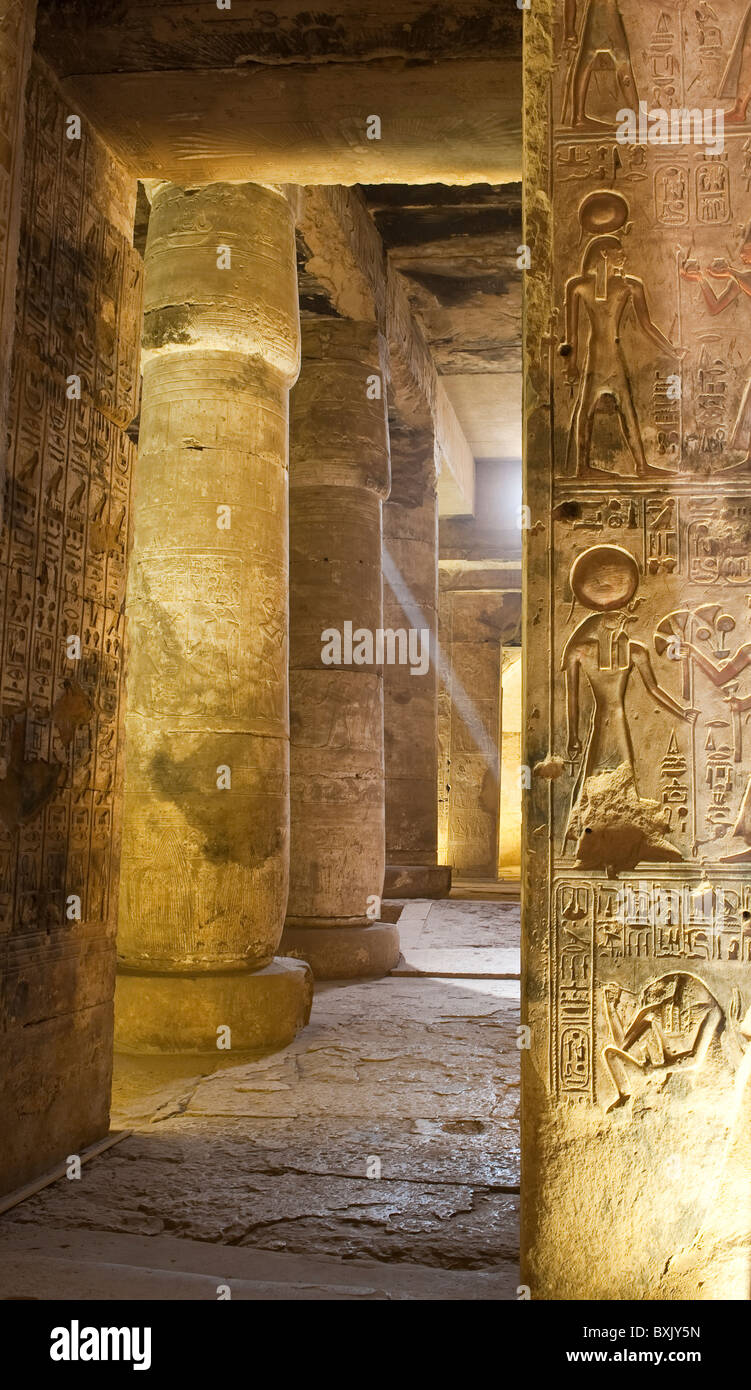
x=16 y=42
x=339 y=475
x=206 y=836
x=63 y=559
x=637 y=840
x=475 y=623
x=410 y=688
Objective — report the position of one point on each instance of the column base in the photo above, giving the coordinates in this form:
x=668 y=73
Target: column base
x=345 y=953
x=417 y=881
x=264 y=1009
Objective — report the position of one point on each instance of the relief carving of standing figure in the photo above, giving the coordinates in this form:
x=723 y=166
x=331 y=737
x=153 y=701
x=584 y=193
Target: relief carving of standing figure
x=603 y=32
x=601 y=295
x=613 y=826
x=736 y=81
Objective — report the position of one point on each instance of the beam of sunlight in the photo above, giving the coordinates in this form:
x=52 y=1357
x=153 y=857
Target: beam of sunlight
x=447 y=676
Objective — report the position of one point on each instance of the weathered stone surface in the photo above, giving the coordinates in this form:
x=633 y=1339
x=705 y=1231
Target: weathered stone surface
x=466 y=925
x=342 y=252
x=16 y=39
x=170 y=35
x=63 y=556
x=417 y=880
x=420 y=1074
x=351 y=954
x=456 y=250
x=284 y=94
x=339 y=474
x=181 y=1013
x=89 y=1265
x=471 y=633
x=410 y=570
x=206 y=839
x=510 y=824
x=638 y=836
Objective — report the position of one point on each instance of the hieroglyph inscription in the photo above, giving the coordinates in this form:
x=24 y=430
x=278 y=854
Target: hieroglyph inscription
x=63 y=546
x=650 y=659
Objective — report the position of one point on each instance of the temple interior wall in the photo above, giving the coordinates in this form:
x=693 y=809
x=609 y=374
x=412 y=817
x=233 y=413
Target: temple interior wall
x=636 y=941
x=63 y=563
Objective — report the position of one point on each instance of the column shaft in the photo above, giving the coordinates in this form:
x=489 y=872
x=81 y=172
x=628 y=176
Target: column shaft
x=206 y=835
x=16 y=42
x=410 y=564
x=339 y=474
x=637 y=825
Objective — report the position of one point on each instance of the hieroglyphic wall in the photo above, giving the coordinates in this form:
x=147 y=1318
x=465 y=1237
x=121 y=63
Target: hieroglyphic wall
x=638 y=689
x=63 y=555
x=16 y=38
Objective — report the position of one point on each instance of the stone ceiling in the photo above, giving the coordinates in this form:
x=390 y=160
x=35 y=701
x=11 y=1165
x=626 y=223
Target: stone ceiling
x=456 y=250
x=184 y=90
x=275 y=92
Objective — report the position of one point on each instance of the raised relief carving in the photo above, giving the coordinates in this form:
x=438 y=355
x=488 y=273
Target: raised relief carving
x=736 y=80
x=672 y=1025
x=597 y=301
x=713 y=369
x=599 y=44
x=706 y=627
x=610 y=823
x=64 y=538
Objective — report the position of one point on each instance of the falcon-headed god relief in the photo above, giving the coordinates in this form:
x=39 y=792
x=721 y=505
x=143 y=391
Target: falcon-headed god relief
x=602 y=32
x=612 y=825
x=600 y=295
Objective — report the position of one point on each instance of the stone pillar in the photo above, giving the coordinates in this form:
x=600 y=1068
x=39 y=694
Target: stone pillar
x=474 y=625
x=206 y=834
x=63 y=559
x=637 y=840
x=16 y=41
x=339 y=475
x=512 y=775
x=410 y=687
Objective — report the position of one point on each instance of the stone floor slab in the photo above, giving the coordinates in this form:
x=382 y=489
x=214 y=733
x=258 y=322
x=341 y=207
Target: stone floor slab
x=386 y=1132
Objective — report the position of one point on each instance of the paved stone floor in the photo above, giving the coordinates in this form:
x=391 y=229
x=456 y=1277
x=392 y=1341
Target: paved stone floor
x=262 y=1172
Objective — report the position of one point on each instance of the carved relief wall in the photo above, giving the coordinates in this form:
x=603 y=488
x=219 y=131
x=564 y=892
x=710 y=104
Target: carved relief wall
x=16 y=38
x=63 y=554
x=638 y=825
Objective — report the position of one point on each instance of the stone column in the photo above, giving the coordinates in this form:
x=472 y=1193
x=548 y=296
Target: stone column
x=410 y=688
x=16 y=41
x=637 y=837
x=510 y=823
x=206 y=834
x=472 y=642
x=63 y=560
x=338 y=477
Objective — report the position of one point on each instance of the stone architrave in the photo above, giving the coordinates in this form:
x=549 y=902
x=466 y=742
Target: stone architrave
x=339 y=475
x=637 y=839
x=206 y=828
